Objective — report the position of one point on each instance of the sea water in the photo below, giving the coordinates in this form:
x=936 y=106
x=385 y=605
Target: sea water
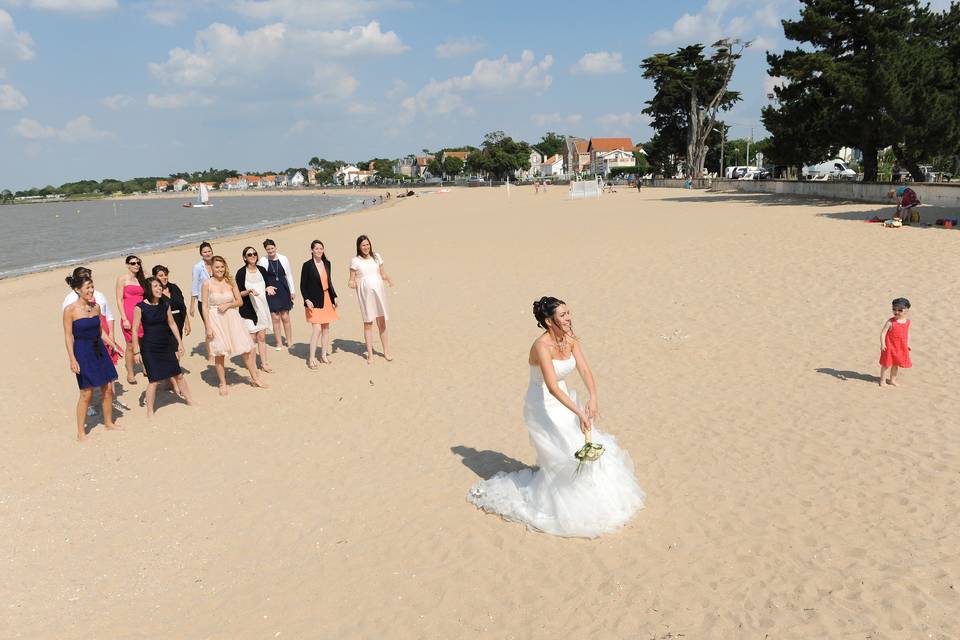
x=37 y=237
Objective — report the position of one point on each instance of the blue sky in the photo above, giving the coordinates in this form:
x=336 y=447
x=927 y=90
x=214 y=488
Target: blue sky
x=120 y=89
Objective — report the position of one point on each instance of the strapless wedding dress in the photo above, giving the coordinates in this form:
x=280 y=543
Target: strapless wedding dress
x=555 y=498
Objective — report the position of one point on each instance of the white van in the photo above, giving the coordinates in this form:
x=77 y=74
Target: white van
x=835 y=169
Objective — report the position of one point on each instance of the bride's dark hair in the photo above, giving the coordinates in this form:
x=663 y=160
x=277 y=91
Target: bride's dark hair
x=545 y=308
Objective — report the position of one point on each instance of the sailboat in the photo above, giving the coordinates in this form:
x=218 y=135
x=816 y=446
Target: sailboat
x=203 y=198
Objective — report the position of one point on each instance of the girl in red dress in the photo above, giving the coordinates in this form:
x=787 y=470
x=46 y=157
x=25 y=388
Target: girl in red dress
x=895 y=343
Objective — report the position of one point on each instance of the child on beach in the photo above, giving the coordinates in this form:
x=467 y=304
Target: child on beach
x=895 y=343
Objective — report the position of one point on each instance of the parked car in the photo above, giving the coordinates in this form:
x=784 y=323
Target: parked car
x=835 y=169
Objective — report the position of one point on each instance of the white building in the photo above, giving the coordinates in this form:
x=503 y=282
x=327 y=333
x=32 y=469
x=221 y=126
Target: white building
x=297 y=180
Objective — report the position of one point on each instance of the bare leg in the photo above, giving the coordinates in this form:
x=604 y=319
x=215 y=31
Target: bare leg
x=221 y=374
x=181 y=381
x=287 y=331
x=894 y=370
x=368 y=340
x=325 y=343
x=128 y=361
x=261 y=338
x=82 y=403
x=312 y=353
x=151 y=398
x=106 y=404
x=278 y=342
x=382 y=326
x=883 y=375
x=249 y=360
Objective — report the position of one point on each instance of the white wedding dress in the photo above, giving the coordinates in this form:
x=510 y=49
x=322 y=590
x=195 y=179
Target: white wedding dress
x=555 y=498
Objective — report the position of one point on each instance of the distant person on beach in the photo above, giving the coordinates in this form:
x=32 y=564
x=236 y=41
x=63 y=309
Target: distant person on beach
x=367 y=277
x=226 y=333
x=160 y=347
x=201 y=273
x=255 y=285
x=87 y=352
x=319 y=301
x=906 y=199
x=282 y=301
x=129 y=291
x=895 y=343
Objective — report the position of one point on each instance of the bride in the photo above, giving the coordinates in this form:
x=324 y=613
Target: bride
x=558 y=497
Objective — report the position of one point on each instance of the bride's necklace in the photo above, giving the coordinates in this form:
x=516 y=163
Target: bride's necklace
x=88 y=307
x=561 y=345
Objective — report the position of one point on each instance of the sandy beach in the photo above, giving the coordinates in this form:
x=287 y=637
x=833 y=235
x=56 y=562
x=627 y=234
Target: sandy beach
x=735 y=341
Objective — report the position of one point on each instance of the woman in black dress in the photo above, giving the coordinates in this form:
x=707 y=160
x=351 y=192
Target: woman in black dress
x=174 y=296
x=160 y=348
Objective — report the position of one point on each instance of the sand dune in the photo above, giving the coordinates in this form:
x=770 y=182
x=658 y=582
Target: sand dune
x=735 y=342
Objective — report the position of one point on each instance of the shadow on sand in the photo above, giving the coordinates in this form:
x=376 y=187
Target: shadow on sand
x=487 y=464
x=849 y=375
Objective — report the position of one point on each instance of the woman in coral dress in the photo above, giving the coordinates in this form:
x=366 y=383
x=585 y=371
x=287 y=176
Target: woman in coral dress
x=319 y=301
x=227 y=334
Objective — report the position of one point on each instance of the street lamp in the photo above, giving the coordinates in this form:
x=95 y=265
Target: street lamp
x=723 y=144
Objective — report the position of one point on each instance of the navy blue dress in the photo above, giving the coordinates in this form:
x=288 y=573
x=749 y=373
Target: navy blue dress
x=96 y=367
x=280 y=301
x=158 y=347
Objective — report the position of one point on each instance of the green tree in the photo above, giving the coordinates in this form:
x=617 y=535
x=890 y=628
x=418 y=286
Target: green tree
x=385 y=168
x=550 y=145
x=452 y=166
x=500 y=156
x=866 y=75
x=6 y=196
x=435 y=165
x=314 y=163
x=690 y=90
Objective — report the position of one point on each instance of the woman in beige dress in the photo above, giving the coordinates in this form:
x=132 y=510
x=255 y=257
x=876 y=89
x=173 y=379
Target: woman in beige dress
x=226 y=333
x=367 y=277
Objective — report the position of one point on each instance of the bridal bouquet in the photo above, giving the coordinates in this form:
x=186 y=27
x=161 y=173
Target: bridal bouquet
x=589 y=452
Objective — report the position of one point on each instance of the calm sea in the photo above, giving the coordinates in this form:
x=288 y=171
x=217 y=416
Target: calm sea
x=37 y=237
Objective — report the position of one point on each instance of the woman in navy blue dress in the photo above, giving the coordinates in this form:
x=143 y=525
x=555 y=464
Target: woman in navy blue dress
x=160 y=348
x=87 y=352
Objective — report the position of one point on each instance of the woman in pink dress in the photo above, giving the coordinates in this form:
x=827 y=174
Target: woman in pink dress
x=367 y=277
x=227 y=335
x=129 y=294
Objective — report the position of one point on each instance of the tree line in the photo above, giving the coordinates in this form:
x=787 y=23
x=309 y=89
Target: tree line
x=881 y=76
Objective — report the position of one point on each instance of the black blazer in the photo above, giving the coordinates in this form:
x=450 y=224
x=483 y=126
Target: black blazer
x=246 y=309
x=310 y=286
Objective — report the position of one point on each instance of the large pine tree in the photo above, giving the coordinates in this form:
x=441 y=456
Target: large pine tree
x=867 y=75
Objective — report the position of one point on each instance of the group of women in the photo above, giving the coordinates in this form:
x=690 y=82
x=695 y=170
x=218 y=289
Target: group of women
x=236 y=313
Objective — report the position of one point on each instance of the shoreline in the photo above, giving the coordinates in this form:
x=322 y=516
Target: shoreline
x=178 y=245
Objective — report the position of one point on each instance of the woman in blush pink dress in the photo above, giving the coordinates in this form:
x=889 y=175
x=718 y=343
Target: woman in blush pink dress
x=227 y=334
x=367 y=277
x=130 y=288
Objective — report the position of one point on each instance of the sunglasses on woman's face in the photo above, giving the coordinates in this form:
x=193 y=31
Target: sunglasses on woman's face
x=251 y=255
x=134 y=263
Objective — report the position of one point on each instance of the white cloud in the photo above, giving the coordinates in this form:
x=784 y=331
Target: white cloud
x=299 y=127
x=117 y=102
x=712 y=24
x=178 y=100
x=11 y=99
x=598 y=63
x=15 y=46
x=549 y=119
x=361 y=108
x=397 y=89
x=316 y=12
x=456 y=47
x=74 y=6
x=80 y=129
x=624 y=120
x=332 y=83
x=222 y=55
x=488 y=76
x=163 y=17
